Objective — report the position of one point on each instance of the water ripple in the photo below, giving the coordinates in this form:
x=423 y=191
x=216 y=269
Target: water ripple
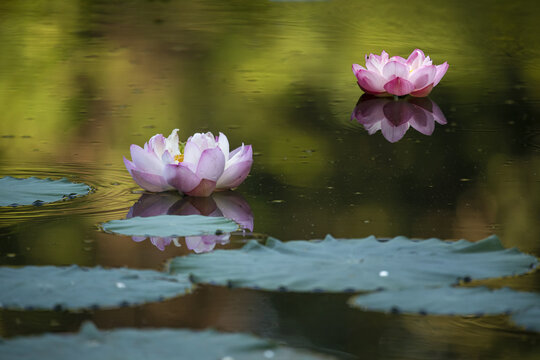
x=113 y=192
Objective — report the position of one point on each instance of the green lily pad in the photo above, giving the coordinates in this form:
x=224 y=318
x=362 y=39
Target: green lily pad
x=449 y=301
x=34 y=191
x=529 y=319
x=353 y=264
x=171 y=225
x=74 y=287
x=91 y=343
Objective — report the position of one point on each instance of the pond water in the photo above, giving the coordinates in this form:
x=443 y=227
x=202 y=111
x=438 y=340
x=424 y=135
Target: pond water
x=80 y=81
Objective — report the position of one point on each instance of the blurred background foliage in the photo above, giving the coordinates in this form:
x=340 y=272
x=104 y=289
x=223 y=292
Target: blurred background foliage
x=82 y=80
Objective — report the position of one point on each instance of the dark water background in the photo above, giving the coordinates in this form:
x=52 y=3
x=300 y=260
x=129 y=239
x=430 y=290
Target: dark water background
x=82 y=80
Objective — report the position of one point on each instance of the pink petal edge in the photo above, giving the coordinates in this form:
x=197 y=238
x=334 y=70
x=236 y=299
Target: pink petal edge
x=205 y=188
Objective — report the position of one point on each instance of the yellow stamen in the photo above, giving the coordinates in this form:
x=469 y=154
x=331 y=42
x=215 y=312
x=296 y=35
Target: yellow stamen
x=179 y=158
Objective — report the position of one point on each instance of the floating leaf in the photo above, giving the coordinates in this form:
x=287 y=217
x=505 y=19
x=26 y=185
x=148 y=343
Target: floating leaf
x=74 y=287
x=34 y=191
x=353 y=264
x=449 y=301
x=163 y=344
x=171 y=225
x=529 y=319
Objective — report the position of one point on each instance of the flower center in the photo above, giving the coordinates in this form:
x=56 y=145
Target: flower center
x=179 y=158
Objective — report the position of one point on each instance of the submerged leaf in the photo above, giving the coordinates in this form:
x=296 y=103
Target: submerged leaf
x=28 y=191
x=163 y=344
x=448 y=301
x=353 y=264
x=74 y=287
x=171 y=225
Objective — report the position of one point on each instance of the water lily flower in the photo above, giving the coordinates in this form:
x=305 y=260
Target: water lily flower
x=204 y=164
x=384 y=76
x=148 y=165
x=394 y=117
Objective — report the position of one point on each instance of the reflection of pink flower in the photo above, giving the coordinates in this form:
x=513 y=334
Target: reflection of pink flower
x=153 y=204
x=234 y=207
x=385 y=76
x=226 y=204
x=204 y=165
x=394 y=117
x=206 y=243
x=159 y=242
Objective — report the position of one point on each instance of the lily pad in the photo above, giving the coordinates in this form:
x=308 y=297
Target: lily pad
x=163 y=344
x=366 y=264
x=34 y=191
x=171 y=225
x=74 y=287
x=449 y=301
x=529 y=319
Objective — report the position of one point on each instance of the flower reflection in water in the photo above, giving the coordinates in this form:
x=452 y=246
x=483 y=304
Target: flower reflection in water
x=226 y=204
x=394 y=116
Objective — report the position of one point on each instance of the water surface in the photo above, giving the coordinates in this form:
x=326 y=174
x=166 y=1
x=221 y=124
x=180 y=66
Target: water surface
x=82 y=80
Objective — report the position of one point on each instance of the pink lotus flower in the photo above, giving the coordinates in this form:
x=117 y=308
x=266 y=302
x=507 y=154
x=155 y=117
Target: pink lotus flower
x=385 y=76
x=394 y=117
x=201 y=167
